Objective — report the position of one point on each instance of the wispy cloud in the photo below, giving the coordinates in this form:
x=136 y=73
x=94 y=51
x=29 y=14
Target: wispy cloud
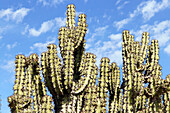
x=147 y=9
x=159 y=31
x=101 y=29
x=98 y=32
x=116 y=56
x=8 y=65
x=118 y=1
x=60 y=21
x=85 y=1
x=1 y=30
x=107 y=17
x=107 y=50
x=25 y=30
x=4 y=30
x=78 y=13
x=110 y=48
x=11 y=80
x=50 y=2
x=47 y=26
x=10 y=46
x=117 y=39
x=42 y=47
x=10 y=14
x=120 y=24
x=167 y=49
x=122 y=5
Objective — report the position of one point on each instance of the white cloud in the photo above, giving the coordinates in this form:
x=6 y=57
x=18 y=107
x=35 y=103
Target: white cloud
x=116 y=56
x=57 y=1
x=60 y=21
x=9 y=65
x=106 y=16
x=44 y=2
x=42 y=47
x=20 y=14
x=120 y=24
x=147 y=9
x=12 y=45
x=85 y=1
x=50 y=2
x=115 y=36
x=98 y=32
x=167 y=49
x=107 y=50
x=47 y=26
x=88 y=46
x=11 y=79
x=101 y=29
x=25 y=30
x=78 y=13
x=107 y=45
x=118 y=1
x=98 y=43
x=121 y=6
x=4 y=29
x=110 y=48
x=6 y=13
x=87 y=32
x=159 y=31
x=17 y=16
x=1 y=30
x=119 y=44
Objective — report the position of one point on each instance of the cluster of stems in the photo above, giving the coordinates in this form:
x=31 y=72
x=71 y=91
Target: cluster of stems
x=72 y=81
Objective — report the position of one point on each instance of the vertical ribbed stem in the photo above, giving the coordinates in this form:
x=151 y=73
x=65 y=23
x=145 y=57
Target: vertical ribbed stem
x=70 y=16
x=114 y=89
x=102 y=86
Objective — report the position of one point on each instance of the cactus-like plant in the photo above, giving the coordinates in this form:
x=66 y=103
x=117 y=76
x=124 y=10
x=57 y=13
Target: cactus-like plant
x=28 y=83
x=73 y=83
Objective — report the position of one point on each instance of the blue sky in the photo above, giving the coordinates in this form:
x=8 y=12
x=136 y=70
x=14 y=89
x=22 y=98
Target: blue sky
x=28 y=26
